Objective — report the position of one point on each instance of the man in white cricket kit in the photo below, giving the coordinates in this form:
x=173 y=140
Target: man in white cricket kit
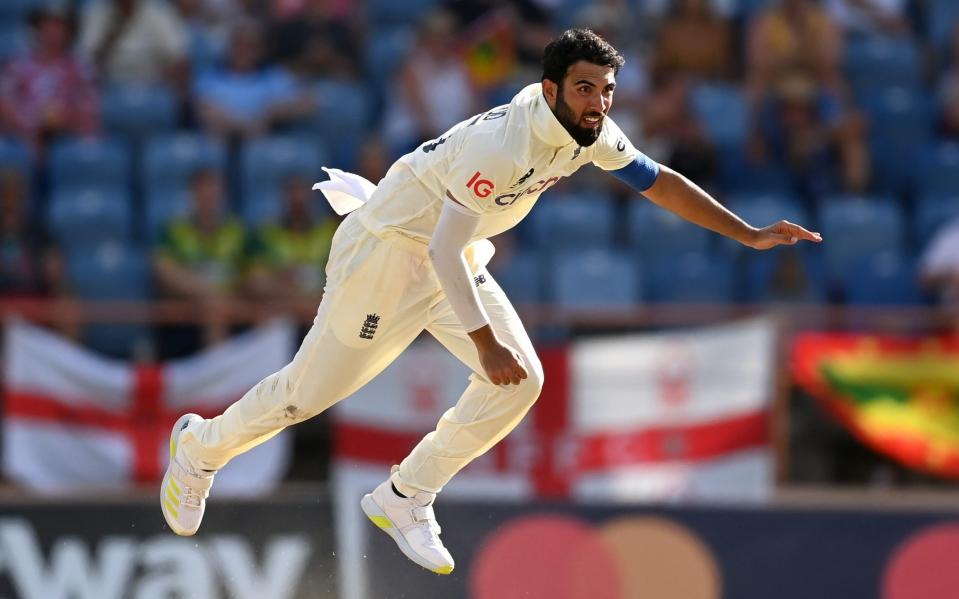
x=413 y=258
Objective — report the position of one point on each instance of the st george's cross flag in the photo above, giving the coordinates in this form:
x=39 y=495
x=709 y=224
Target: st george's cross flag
x=76 y=421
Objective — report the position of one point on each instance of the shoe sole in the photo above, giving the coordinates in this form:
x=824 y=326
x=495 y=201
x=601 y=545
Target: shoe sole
x=378 y=517
x=169 y=517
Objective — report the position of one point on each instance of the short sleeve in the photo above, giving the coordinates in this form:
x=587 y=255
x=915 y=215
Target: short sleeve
x=476 y=179
x=613 y=148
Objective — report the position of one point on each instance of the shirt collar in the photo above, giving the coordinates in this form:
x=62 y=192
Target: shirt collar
x=545 y=125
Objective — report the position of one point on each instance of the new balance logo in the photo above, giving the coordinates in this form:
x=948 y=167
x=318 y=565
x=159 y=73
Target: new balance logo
x=369 y=326
x=576 y=153
x=479 y=279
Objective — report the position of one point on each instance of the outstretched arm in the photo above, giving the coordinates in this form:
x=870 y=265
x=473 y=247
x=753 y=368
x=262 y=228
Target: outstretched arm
x=676 y=193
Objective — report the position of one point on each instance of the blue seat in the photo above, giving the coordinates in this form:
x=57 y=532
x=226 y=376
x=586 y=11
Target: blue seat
x=885 y=278
x=573 y=222
x=522 y=278
x=595 y=279
x=16 y=11
x=722 y=113
x=386 y=49
x=170 y=160
x=14 y=40
x=740 y=176
x=391 y=13
x=90 y=162
x=111 y=271
x=340 y=120
x=14 y=155
x=901 y=125
x=137 y=110
x=652 y=231
x=933 y=211
x=856 y=227
x=86 y=216
x=266 y=163
x=879 y=62
x=941 y=19
x=938 y=169
x=162 y=206
x=691 y=277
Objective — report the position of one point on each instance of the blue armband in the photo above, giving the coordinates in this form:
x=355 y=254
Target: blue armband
x=639 y=174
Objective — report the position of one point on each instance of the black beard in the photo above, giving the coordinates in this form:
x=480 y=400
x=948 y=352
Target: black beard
x=583 y=136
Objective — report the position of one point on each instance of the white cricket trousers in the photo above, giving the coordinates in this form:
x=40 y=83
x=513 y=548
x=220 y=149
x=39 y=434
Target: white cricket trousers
x=381 y=294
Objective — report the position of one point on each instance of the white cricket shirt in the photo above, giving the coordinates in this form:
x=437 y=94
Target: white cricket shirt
x=496 y=163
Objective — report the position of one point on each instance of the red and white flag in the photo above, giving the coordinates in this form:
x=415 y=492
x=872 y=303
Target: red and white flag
x=74 y=420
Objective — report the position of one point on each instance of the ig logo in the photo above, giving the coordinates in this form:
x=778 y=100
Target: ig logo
x=481 y=187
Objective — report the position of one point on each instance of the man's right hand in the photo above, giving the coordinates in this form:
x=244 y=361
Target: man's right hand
x=502 y=363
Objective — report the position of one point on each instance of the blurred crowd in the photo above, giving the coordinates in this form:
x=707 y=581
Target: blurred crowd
x=166 y=148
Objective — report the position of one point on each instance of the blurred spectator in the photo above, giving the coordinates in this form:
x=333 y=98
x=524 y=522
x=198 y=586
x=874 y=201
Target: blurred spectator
x=672 y=134
x=205 y=33
x=374 y=159
x=47 y=92
x=433 y=91
x=200 y=257
x=694 y=41
x=247 y=97
x=939 y=265
x=869 y=17
x=27 y=267
x=805 y=129
x=317 y=39
x=135 y=41
x=288 y=258
x=794 y=36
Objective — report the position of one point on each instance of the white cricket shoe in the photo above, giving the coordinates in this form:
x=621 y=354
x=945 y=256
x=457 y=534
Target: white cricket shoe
x=412 y=524
x=184 y=489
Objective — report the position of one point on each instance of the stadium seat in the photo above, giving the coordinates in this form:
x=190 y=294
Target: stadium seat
x=933 y=211
x=16 y=11
x=391 y=12
x=135 y=110
x=738 y=175
x=878 y=62
x=595 y=279
x=86 y=216
x=13 y=40
x=85 y=161
x=342 y=114
x=857 y=227
x=652 y=231
x=266 y=163
x=111 y=271
x=885 y=278
x=901 y=122
x=941 y=19
x=722 y=113
x=938 y=169
x=384 y=52
x=522 y=278
x=690 y=277
x=14 y=155
x=573 y=222
x=170 y=160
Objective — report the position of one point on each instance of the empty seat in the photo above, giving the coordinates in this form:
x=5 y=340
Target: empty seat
x=170 y=160
x=901 y=125
x=137 y=110
x=163 y=206
x=340 y=120
x=86 y=216
x=885 y=278
x=568 y=222
x=938 y=169
x=856 y=227
x=522 y=278
x=722 y=113
x=878 y=62
x=933 y=211
x=595 y=279
x=788 y=274
x=267 y=163
x=691 y=277
x=14 y=155
x=653 y=231
x=90 y=162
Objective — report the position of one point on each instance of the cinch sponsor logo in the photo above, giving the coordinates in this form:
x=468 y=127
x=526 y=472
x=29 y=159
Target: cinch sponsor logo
x=540 y=186
x=480 y=187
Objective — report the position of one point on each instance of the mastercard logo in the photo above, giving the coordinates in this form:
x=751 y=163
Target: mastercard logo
x=561 y=557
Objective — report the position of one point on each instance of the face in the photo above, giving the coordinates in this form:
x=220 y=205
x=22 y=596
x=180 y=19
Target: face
x=53 y=34
x=207 y=195
x=583 y=100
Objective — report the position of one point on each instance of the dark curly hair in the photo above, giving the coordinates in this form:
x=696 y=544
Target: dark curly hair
x=574 y=45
